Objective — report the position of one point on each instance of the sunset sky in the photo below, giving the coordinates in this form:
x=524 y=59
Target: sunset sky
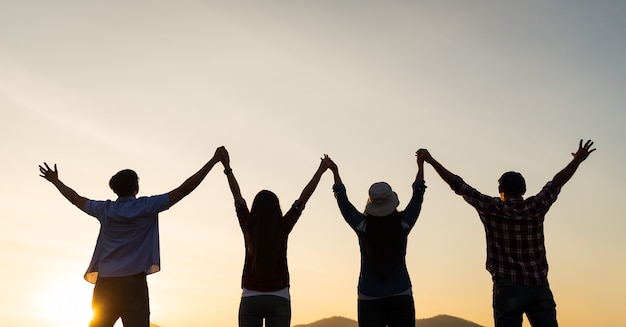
x=156 y=86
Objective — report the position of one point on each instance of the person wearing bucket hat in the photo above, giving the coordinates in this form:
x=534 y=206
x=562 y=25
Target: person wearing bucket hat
x=385 y=296
x=382 y=200
x=265 y=278
x=516 y=255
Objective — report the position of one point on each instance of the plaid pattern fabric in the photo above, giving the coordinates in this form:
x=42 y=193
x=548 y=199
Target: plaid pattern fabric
x=514 y=229
x=280 y=276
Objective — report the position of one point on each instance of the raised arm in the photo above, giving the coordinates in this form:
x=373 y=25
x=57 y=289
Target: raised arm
x=192 y=182
x=333 y=167
x=312 y=185
x=583 y=152
x=445 y=174
x=53 y=177
x=420 y=167
x=232 y=181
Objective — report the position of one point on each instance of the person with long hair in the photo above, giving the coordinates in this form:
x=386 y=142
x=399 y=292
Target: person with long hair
x=385 y=296
x=265 y=280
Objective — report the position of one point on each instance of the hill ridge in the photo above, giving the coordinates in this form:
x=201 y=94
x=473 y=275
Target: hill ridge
x=441 y=320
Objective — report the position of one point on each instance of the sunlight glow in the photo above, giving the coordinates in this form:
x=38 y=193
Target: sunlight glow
x=65 y=304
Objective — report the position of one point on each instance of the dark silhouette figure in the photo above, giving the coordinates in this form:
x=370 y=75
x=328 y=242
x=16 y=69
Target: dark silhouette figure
x=516 y=255
x=127 y=248
x=265 y=280
x=385 y=296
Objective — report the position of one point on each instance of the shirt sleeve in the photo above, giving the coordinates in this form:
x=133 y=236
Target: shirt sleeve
x=546 y=197
x=413 y=209
x=476 y=199
x=95 y=208
x=241 y=208
x=293 y=214
x=352 y=216
x=156 y=203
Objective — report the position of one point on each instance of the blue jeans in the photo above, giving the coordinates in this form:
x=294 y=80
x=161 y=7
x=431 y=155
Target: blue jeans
x=275 y=310
x=511 y=300
x=121 y=297
x=393 y=311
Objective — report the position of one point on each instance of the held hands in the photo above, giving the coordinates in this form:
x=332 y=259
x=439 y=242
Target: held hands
x=324 y=164
x=49 y=174
x=583 y=151
x=329 y=163
x=221 y=154
x=423 y=156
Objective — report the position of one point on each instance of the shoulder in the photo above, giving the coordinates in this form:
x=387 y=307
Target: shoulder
x=153 y=203
x=154 y=198
x=97 y=203
x=96 y=208
x=550 y=190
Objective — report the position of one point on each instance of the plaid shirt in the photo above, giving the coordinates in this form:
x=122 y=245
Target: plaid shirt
x=279 y=278
x=514 y=229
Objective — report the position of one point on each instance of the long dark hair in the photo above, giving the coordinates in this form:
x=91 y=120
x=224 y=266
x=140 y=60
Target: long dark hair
x=263 y=233
x=383 y=242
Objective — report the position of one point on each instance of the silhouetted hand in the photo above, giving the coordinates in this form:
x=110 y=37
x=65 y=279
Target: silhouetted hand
x=423 y=155
x=219 y=153
x=330 y=163
x=223 y=155
x=49 y=174
x=324 y=163
x=583 y=151
x=420 y=159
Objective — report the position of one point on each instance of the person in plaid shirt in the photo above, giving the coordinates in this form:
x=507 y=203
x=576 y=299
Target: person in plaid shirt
x=516 y=255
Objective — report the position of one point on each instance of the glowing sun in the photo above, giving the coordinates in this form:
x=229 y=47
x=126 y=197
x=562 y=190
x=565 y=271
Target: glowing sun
x=66 y=303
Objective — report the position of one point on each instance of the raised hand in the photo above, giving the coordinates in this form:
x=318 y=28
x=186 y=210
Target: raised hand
x=583 y=151
x=566 y=173
x=330 y=164
x=222 y=154
x=423 y=155
x=49 y=174
x=325 y=163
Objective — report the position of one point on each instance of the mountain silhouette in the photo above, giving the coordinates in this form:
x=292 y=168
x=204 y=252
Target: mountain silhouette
x=445 y=321
x=332 y=322
x=437 y=321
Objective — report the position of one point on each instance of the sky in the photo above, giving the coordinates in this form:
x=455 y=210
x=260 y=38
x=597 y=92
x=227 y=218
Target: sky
x=156 y=86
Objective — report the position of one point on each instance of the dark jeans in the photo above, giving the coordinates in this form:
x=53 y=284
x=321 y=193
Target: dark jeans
x=275 y=310
x=394 y=311
x=121 y=297
x=511 y=300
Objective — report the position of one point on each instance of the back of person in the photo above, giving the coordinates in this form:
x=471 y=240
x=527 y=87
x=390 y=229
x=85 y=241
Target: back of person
x=265 y=279
x=128 y=213
x=385 y=294
x=383 y=249
x=516 y=255
x=129 y=235
x=127 y=248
